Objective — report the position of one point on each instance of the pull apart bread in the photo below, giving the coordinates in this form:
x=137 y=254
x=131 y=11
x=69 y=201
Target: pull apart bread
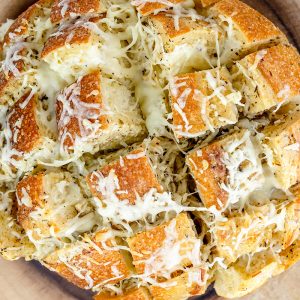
x=150 y=148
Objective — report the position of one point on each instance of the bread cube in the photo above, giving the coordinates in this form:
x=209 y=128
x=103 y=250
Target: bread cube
x=135 y=294
x=62 y=9
x=15 y=78
x=290 y=232
x=97 y=113
x=166 y=248
x=146 y=7
x=192 y=282
x=26 y=129
x=11 y=85
x=246 y=232
x=268 y=78
x=14 y=244
x=24 y=26
x=241 y=234
x=130 y=186
x=227 y=170
x=282 y=150
x=203 y=101
x=189 y=44
x=132 y=174
x=91 y=262
x=244 y=276
x=51 y=207
x=73 y=50
x=27 y=136
x=246 y=29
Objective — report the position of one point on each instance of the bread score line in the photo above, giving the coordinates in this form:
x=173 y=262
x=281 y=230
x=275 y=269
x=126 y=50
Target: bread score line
x=150 y=148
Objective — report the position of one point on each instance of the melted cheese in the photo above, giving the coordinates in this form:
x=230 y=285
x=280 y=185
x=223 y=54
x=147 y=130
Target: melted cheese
x=137 y=69
x=245 y=171
x=4 y=28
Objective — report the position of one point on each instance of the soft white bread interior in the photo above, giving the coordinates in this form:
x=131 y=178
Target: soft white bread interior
x=73 y=49
x=189 y=43
x=246 y=275
x=97 y=112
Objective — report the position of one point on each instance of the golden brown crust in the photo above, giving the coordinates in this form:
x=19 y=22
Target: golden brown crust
x=291 y=255
x=76 y=34
x=209 y=172
x=167 y=23
x=70 y=120
x=90 y=262
x=152 y=6
x=26 y=136
x=205 y=3
x=296 y=192
x=280 y=67
x=191 y=283
x=190 y=119
x=145 y=244
x=252 y=25
x=135 y=176
x=21 y=25
x=60 y=12
x=192 y=109
x=33 y=187
x=137 y=294
x=79 y=35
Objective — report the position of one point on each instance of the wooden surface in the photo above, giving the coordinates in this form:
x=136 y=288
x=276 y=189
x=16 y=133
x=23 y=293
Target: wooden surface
x=30 y=281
